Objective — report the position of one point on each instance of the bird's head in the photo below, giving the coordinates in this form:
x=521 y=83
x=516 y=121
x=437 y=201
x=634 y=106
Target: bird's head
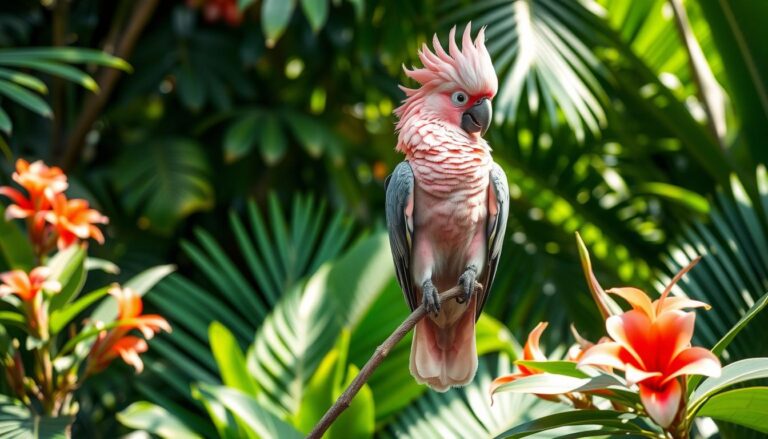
x=456 y=87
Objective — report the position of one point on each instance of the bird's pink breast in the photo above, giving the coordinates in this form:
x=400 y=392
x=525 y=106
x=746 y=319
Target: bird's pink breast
x=451 y=172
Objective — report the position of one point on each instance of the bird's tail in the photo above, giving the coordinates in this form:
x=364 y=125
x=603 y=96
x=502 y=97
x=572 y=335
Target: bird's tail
x=445 y=357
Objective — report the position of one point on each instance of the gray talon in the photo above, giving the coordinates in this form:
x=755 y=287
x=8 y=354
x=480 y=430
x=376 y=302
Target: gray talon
x=430 y=297
x=467 y=281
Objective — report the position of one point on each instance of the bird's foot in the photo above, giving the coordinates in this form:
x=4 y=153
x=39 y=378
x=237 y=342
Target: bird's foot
x=467 y=281
x=430 y=297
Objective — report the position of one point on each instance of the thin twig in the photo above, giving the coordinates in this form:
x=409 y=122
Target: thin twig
x=378 y=356
x=95 y=103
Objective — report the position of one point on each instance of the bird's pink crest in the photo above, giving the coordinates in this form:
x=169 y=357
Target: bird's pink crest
x=469 y=69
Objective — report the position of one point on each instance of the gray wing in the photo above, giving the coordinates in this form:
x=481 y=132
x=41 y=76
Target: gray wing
x=496 y=228
x=399 y=209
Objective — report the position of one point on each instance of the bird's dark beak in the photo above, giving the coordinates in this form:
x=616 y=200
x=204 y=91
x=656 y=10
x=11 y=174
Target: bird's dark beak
x=477 y=118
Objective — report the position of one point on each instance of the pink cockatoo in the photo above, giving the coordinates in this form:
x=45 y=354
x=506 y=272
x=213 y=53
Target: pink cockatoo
x=447 y=205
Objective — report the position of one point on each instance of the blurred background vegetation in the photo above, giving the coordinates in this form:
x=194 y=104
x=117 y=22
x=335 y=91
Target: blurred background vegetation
x=248 y=141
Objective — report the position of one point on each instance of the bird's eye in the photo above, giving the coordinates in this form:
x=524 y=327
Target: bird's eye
x=459 y=98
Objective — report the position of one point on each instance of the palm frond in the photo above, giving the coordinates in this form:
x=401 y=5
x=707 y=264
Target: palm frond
x=733 y=272
x=238 y=289
x=307 y=321
x=542 y=55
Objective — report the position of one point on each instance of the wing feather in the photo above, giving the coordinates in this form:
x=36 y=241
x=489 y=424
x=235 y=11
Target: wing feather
x=495 y=230
x=399 y=211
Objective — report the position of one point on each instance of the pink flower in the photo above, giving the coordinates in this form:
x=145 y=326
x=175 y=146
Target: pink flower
x=652 y=345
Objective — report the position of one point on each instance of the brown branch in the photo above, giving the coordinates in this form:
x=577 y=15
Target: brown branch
x=59 y=33
x=378 y=356
x=94 y=103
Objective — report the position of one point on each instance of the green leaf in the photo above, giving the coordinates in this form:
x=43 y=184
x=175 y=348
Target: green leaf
x=536 y=50
x=101 y=264
x=17 y=421
x=467 y=412
x=67 y=267
x=306 y=322
x=753 y=311
x=190 y=87
x=626 y=422
x=244 y=4
x=64 y=54
x=747 y=407
x=63 y=71
x=549 y=384
x=145 y=416
x=318 y=395
x=231 y=360
x=556 y=367
x=15 y=247
x=311 y=133
x=24 y=80
x=685 y=197
x=5 y=123
x=241 y=137
x=163 y=182
x=275 y=15
x=316 y=12
x=61 y=317
x=736 y=29
x=258 y=419
x=13 y=318
x=273 y=141
x=326 y=385
x=721 y=345
x=605 y=303
x=734 y=373
x=359 y=419
x=141 y=283
x=25 y=98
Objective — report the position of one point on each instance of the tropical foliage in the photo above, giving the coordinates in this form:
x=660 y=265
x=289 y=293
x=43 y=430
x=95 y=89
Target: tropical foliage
x=246 y=142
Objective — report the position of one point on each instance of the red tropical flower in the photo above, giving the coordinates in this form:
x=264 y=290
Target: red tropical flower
x=73 y=220
x=652 y=345
x=27 y=286
x=117 y=342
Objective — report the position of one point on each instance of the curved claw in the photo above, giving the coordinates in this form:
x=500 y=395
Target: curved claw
x=430 y=298
x=467 y=281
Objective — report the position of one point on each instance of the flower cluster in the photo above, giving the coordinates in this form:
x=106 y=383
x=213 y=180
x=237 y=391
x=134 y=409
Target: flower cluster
x=36 y=305
x=52 y=219
x=649 y=343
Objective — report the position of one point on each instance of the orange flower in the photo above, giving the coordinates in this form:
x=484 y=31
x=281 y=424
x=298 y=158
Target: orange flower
x=652 y=345
x=531 y=352
x=117 y=342
x=73 y=220
x=27 y=286
x=23 y=207
x=38 y=179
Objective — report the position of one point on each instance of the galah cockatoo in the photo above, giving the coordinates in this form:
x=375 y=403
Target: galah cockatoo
x=447 y=205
